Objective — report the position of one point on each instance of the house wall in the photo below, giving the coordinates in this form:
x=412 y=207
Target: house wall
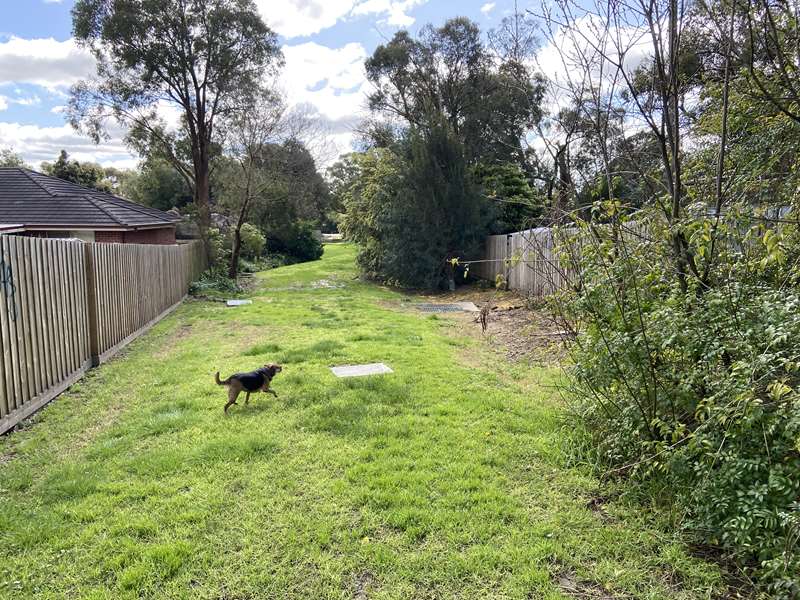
x=86 y=236
x=164 y=235
x=109 y=237
x=161 y=236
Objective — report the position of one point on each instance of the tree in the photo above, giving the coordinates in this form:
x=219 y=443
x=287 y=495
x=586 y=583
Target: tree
x=684 y=309
x=157 y=184
x=200 y=57
x=86 y=174
x=252 y=241
x=248 y=134
x=412 y=213
x=9 y=158
x=447 y=73
x=341 y=177
x=516 y=203
x=297 y=195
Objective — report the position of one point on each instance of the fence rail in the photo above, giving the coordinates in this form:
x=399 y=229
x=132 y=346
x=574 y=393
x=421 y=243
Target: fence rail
x=527 y=261
x=67 y=306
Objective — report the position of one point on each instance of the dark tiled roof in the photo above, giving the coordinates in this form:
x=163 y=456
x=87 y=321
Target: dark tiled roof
x=33 y=199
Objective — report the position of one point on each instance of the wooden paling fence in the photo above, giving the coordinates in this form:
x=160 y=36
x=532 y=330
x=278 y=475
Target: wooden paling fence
x=67 y=306
x=527 y=260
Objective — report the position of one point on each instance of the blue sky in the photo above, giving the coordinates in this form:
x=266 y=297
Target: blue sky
x=324 y=41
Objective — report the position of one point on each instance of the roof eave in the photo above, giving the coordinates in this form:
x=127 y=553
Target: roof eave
x=86 y=227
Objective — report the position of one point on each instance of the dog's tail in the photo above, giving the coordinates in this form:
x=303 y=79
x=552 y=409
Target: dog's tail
x=221 y=382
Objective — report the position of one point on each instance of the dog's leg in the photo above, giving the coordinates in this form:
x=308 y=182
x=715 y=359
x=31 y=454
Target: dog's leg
x=247 y=398
x=233 y=393
x=269 y=390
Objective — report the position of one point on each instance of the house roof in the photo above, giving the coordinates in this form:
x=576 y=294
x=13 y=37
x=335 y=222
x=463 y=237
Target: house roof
x=30 y=199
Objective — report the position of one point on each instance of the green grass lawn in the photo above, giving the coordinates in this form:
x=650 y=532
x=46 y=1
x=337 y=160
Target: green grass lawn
x=441 y=480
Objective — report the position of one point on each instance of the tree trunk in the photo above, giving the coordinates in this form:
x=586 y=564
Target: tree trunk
x=233 y=268
x=202 y=197
x=563 y=185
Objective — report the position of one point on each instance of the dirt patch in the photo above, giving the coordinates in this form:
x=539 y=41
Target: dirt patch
x=175 y=337
x=513 y=328
x=362 y=585
x=736 y=583
x=573 y=586
x=524 y=334
x=7 y=457
x=597 y=504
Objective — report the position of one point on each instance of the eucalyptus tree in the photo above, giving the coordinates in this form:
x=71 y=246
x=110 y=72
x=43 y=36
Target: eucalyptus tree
x=447 y=74
x=194 y=59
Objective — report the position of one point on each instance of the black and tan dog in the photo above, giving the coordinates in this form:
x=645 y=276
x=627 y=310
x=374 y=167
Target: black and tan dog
x=253 y=381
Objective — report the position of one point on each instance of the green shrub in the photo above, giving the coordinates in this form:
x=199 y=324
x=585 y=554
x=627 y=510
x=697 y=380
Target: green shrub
x=413 y=209
x=219 y=246
x=516 y=205
x=214 y=280
x=253 y=241
x=699 y=389
x=297 y=240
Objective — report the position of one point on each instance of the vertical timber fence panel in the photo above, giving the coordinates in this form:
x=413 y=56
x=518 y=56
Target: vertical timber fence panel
x=528 y=261
x=67 y=306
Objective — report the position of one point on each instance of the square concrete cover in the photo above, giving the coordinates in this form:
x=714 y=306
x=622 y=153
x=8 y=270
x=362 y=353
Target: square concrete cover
x=361 y=370
x=238 y=302
x=451 y=307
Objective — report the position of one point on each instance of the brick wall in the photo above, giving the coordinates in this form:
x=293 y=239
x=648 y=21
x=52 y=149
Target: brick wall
x=164 y=235
x=109 y=237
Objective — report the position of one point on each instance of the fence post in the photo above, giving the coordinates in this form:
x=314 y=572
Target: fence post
x=506 y=263
x=91 y=304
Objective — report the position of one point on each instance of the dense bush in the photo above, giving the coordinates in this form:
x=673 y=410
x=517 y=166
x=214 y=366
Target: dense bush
x=295 y=239
x=253 y=241
x=219 y=245
x=516 y=204
x=413 y=208
x=697 y=388
x=213 y=282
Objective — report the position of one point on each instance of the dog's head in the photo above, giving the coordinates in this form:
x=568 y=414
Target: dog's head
x=272 y=369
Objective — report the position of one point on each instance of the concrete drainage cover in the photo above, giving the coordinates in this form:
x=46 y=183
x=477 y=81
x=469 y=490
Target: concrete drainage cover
x=361 y=370
x=445 y=308
x=238 y=302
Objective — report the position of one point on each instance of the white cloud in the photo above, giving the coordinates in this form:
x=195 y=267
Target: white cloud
x=294 y=18
x=29 y=101
x=44 y=61
x=330 y=83
x=579 y=58
x=37 y=144
x=391 y=12
x=487 y=8
x=298 y=18
x=331 y=79
x=6 y=101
